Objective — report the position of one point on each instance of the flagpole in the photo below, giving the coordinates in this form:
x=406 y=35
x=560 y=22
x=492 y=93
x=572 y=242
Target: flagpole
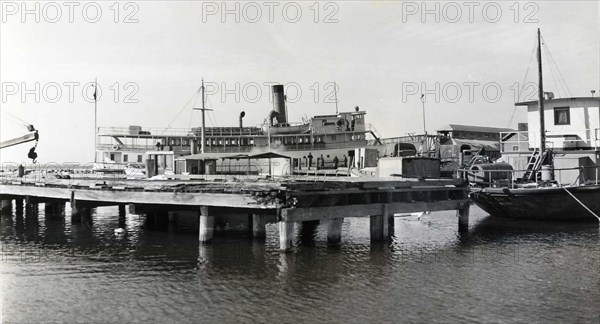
x=95 y=120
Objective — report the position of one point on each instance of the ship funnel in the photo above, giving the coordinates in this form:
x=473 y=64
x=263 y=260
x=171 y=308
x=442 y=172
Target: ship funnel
x=279 y=103
x=242 y=115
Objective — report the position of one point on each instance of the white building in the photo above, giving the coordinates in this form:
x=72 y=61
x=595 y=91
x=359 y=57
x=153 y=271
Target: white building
x=572 y=133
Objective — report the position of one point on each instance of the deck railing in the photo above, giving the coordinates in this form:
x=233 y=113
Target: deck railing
x=176 y=132
x=513 y=178
x=555 y=140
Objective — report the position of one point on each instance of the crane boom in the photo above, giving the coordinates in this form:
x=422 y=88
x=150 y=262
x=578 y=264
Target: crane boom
x=29 y=137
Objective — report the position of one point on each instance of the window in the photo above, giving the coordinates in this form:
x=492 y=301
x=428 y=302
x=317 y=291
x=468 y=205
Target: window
x=515 y=148
x=562 y=116
x=112 y=156
x=125 y=158
x=139 y=158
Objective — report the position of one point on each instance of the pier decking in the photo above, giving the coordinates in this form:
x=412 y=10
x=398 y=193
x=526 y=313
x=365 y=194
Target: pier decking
x=286 y=201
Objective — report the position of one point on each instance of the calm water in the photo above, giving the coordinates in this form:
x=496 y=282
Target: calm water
x=54 y=270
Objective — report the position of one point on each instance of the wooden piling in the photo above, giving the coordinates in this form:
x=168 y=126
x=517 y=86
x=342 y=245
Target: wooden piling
x=334 y=231
x=286 y=235
x=31 y=207
x=391 y=229
x=463 y=217
x=385 y=219
x=6 y=205
x=52 y=209
x=258 y=226
x=377 y=228
x=122 y=211
x=75 y=212
x=380 y=230
x=172 y=217
x=206 y=226
x=85 y=217
x=19 y=206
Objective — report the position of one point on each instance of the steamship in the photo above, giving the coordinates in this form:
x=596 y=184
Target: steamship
x=325 y=141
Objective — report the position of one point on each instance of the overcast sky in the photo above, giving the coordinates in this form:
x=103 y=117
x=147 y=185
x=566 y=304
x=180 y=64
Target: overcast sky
x=381 y=54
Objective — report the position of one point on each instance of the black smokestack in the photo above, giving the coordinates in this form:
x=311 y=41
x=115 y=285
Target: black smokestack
x=242 y=115
x=279 y=103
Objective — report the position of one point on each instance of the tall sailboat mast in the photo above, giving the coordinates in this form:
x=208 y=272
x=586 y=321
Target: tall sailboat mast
x=541 y=94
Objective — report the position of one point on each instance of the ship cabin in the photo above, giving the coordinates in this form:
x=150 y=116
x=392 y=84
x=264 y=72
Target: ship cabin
x=572 y=128
x=131 y=145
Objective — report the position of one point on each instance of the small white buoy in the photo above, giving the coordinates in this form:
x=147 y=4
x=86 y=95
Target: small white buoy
x=119 y=231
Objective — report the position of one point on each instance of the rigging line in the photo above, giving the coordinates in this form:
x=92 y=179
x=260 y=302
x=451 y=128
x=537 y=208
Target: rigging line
x=579 y=201
x=556 y=83
x=527 y=71
x=15 y=117
x=564 y=83
x=191 y=116
x=556 y=64
x=559 y=86
x=212 y=111
x=512 y=115
x=179 y=113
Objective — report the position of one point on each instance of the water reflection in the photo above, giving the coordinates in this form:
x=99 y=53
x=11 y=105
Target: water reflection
x=426 y=272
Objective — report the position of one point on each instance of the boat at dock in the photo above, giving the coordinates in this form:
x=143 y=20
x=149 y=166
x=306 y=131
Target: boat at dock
x=553 y=171
x=343 y=140
x=543 y=203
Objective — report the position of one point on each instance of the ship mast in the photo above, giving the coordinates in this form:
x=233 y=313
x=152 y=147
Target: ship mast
x=203 y=133
x=541 y=94
x=95 y=120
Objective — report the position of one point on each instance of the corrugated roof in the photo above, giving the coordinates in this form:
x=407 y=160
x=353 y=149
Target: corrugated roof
x=478 y=129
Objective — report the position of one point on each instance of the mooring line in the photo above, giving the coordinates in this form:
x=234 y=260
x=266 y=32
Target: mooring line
x=579 y=201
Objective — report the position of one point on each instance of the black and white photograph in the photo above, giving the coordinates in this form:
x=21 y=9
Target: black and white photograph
x=304 y=161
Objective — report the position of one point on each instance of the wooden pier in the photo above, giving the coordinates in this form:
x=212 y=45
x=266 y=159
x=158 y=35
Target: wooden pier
x=285 y=201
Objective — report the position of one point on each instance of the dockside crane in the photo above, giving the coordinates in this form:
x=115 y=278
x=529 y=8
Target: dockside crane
x=32 y=135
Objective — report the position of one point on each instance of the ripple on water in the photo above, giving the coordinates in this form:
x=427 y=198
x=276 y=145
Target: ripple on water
x=501 y=271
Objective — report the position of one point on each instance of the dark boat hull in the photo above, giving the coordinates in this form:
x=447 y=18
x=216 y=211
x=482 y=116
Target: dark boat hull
x=540 y=203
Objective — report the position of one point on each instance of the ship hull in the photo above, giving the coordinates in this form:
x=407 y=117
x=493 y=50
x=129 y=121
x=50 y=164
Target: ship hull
x=541 y=203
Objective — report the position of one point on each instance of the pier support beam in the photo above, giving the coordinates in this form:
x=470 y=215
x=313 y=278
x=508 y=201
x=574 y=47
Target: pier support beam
x=121 y=211
x=463 y=217
x=308 y=232
x=286 y=235
x=391 y=229
x=380 y=225
x=334 y=231
x=75 y=212
x=86 y=216
x=31 y=207
x=53 y=209
x=19 y=206
x=377 y=228
x=122 y=214
x=6 y=205
x=207 y=225
x=259 y=226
